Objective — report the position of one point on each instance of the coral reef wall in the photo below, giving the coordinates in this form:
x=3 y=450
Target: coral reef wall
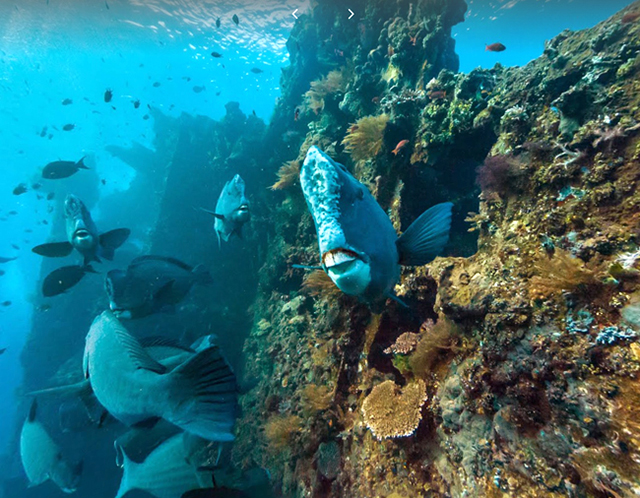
x=515 y=370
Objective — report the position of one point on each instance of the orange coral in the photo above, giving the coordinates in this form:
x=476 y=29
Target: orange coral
x=318 y=284
x=288 y=175
x=364 y=139
x=389 y=411
x=562 y=272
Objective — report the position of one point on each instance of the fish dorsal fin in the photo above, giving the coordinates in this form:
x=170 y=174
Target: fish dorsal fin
x=33 y=410
x=166 y=342
x=426 y=236
x=165 y=259
x=53 y=249
x=136 y=352
x=164 y=291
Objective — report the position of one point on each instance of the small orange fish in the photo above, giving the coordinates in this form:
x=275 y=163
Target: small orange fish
x=413 y=40
x=495 y=47
x=399 y=147
x=629 y=17
x=437 y=94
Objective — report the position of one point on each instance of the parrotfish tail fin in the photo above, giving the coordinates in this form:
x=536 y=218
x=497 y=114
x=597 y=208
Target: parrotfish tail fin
x=110 y=241
x=426 y=236
x=128 y=477
x=201 y=275
x=53 y=249
x=203 y=396
x=80 y=164
x=398 y=300
x=33 y=411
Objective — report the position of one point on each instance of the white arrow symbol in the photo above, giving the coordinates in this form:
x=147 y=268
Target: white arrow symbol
x=294 y=13
x=352 y=14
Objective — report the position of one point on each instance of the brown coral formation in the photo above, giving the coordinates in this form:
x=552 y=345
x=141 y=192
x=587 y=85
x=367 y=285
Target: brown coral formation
x=390 y=411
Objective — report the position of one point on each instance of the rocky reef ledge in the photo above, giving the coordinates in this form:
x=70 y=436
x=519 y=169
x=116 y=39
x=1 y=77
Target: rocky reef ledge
x=515 y=371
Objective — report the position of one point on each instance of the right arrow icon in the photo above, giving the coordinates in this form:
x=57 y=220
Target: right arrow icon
x=352 y=13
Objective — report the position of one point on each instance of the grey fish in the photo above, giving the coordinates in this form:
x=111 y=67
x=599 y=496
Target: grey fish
x=232 y=210
x=166 y=473
x=42 y=459
x=63 y=279
x=2 y=350
x=199 y=396
x=235 y=19
x=82 y=235
x=151 y=284
x=256 y=70
x=216 y=55
x=6 y=260
x=20 y=189
x=359 y=248
x=57 y=170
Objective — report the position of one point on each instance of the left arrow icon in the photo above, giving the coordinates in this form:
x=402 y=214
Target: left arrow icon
x=294 y=13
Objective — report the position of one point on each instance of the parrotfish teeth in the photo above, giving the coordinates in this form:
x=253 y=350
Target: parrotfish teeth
x=337 y=257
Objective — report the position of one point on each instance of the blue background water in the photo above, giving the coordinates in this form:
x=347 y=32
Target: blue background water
x=50 y=51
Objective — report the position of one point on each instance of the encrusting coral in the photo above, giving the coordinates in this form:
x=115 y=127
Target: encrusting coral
x=364 y=139
x=390 y=411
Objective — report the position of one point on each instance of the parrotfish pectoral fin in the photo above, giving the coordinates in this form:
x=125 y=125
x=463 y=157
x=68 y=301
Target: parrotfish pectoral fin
x=391 y=295
x=307 y=267
x=213 y=213
x=33 y=410
x=53 y=249
x=110 y=241
x=426 y=236
x=137 y=353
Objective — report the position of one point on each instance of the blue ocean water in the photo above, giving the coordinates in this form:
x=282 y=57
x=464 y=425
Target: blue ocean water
x=158 y=53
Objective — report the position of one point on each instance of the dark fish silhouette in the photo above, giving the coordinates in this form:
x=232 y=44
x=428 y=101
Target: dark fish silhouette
x=62 y=169
x=20 y=189
x=6 y=260
x=108 y=95
x=216 y=55
x=67 y=102
x=256 y=70
x=156 y=84
x=2 y=350
x=83 y=236
x=218 y=22
x=6 y=303
x=151 y=284
x=63 y=279
x=68 y=127
x=50 y=195
x=199 y=89
x=235 y=20
x=495 y=47
x=136 y=104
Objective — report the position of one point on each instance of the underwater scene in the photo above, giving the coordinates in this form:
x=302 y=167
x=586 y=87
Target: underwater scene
x=319 y=248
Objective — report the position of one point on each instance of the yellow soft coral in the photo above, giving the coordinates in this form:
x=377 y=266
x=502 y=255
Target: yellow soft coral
x=364 y=139
x=288 y=175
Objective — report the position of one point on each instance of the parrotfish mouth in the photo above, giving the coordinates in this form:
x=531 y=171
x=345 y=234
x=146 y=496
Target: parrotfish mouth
x=339 y=259
x=82 y=233
x=119 y=312
x=244 y=208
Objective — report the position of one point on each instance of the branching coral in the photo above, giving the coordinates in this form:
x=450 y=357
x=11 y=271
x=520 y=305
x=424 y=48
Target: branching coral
x=334 y=82
x=280 y=431
x=316 y=398
x=393 y=412
x=364 y=139
x=318 y=283
x=437 y=339
x=562 y=272
x=498 y=173
x=288 y=175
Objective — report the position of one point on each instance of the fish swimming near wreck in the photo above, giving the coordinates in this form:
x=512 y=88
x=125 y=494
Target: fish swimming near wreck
x=63 y=279
x=41 y=457
x=495 y=47
x=57 y=170
x=167 y=472
x=359 y=248
x=232 y=209
x=83 y=236
x=152 y=284
x=200 y=395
